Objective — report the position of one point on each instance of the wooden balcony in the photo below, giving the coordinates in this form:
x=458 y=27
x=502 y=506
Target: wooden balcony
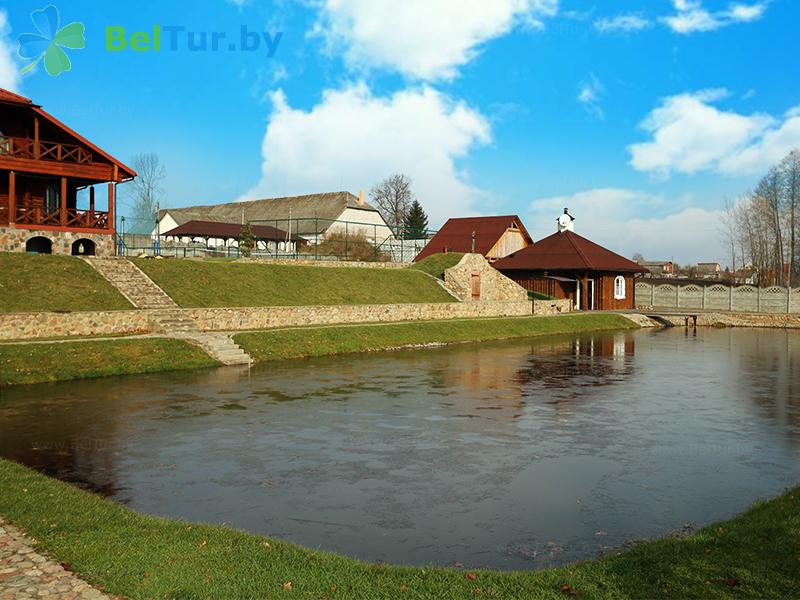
x=17 y=147
x=32 y=212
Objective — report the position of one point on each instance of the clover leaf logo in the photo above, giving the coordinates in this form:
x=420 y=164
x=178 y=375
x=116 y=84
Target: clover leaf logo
x=48 y=44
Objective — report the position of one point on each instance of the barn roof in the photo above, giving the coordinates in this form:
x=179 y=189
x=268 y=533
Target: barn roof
x=456 y=234
x=567 y=251
x=303 y=210
x=223 y=231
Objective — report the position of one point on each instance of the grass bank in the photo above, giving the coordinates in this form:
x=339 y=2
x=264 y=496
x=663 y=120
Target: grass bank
x=59 y=361
x=201 y=283
x=48 y=282
x=437 y=264
x=754 y=555
x=323 y=341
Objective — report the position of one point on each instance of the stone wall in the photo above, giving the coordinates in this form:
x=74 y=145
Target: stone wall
x=494 y=286
x=325 y=263
x=236 y=319
x=41 y=325
x=50 y=324
x=14 y=240
x=774 y=321
x=552 y=307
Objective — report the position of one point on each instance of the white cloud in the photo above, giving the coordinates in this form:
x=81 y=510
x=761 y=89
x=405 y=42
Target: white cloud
x=690 y=134
x=589 y=94
x=692 y=16
x=422 y=39
x=622 y=23
x=353 y=139
x=9 y=70
x=612 y=217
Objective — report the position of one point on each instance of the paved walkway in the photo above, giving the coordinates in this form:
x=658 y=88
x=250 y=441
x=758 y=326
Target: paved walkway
x=24 y=574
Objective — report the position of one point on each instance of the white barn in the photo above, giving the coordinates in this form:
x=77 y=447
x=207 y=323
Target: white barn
x=312 y=217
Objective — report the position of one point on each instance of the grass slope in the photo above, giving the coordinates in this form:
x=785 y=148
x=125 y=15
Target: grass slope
x=37 y=363
x=754 y=555
x=193 y=283
x=322 y=341
x=39 y=282
x=436 y=264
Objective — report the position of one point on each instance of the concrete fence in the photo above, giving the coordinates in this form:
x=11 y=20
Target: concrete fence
x=746 y=298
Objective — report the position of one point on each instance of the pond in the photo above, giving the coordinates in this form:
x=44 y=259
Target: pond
x=510 y=455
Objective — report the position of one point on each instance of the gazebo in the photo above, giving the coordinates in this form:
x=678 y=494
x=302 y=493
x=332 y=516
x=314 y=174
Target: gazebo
x=271 y=237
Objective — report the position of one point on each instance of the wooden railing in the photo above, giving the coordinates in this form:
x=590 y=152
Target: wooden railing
x=32 y=211
x=18 y=147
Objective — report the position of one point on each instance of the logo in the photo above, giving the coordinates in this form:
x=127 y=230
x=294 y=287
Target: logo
x=49 y=43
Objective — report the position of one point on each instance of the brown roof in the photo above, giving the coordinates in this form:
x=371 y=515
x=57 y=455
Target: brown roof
x=567 y=251
x=222 y=231
x=456 y=235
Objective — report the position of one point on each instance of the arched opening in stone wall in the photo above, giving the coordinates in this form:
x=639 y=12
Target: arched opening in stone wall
x=39 y=245
x=84 y=247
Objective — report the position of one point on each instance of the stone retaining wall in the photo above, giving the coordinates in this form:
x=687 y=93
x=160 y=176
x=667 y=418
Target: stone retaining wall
x=50 y=324
x=552 y=307
x=739 y=320
x=43 y=325
x=491 y=284
x=237 y=319
x=324 y=263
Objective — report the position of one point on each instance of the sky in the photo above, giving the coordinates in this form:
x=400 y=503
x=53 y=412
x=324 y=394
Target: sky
x=641 y=116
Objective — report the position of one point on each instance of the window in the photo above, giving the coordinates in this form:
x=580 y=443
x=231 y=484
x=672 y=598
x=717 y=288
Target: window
x=619 y=288
x=52 y=198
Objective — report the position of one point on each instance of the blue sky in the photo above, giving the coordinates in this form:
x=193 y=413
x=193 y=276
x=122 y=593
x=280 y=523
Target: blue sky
x=641 y=116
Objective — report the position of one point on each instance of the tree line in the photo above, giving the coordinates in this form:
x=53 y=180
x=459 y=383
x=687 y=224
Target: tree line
x=761 y=229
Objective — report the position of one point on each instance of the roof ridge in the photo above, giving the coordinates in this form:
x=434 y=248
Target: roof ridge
x=586 y=260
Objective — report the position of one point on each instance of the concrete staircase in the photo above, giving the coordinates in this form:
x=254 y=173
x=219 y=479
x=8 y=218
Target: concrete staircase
x=164 y=315
x=132 y=283
x=219 y=345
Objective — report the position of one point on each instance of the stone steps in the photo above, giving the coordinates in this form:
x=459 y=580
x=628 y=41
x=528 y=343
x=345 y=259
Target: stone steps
x=221 y=347
x=132 y=283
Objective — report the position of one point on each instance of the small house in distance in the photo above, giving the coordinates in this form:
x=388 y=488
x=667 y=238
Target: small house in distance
x=658 y=268
x=493 y=237
x=566 y=265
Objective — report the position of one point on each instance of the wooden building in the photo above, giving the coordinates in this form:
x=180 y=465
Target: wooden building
x=566 y=265
x=212 y=234
x=49 y=179
x=493 y=237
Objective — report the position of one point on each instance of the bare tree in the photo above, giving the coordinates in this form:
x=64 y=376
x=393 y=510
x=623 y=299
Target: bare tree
x=392 y=197
x=790 y=172
x=146 y=189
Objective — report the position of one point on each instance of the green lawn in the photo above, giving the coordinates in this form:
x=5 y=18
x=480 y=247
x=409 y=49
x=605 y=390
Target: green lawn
x=200 y=283
x=436 y=264
x=322 y=341
x=37 y=363
x=46 y=282
x=755 y=555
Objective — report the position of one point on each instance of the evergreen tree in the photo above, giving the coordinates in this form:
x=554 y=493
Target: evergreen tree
x=416 y=222
x=247 y=241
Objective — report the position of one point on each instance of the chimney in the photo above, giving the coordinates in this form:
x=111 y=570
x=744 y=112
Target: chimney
x=361 y=197
x=566 y=222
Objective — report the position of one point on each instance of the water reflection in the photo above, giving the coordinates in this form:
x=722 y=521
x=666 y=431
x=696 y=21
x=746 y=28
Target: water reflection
x=510 y=454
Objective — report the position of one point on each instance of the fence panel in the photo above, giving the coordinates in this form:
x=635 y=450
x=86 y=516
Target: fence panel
x=690 y=296
x=795 y=298
x=644 y=294
x=665 y=295
x=774 y=300
x=718 y=297
x=745 y=299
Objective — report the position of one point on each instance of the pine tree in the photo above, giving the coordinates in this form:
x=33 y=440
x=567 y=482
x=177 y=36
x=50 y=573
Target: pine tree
x=247 y=241
x=415 y=224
